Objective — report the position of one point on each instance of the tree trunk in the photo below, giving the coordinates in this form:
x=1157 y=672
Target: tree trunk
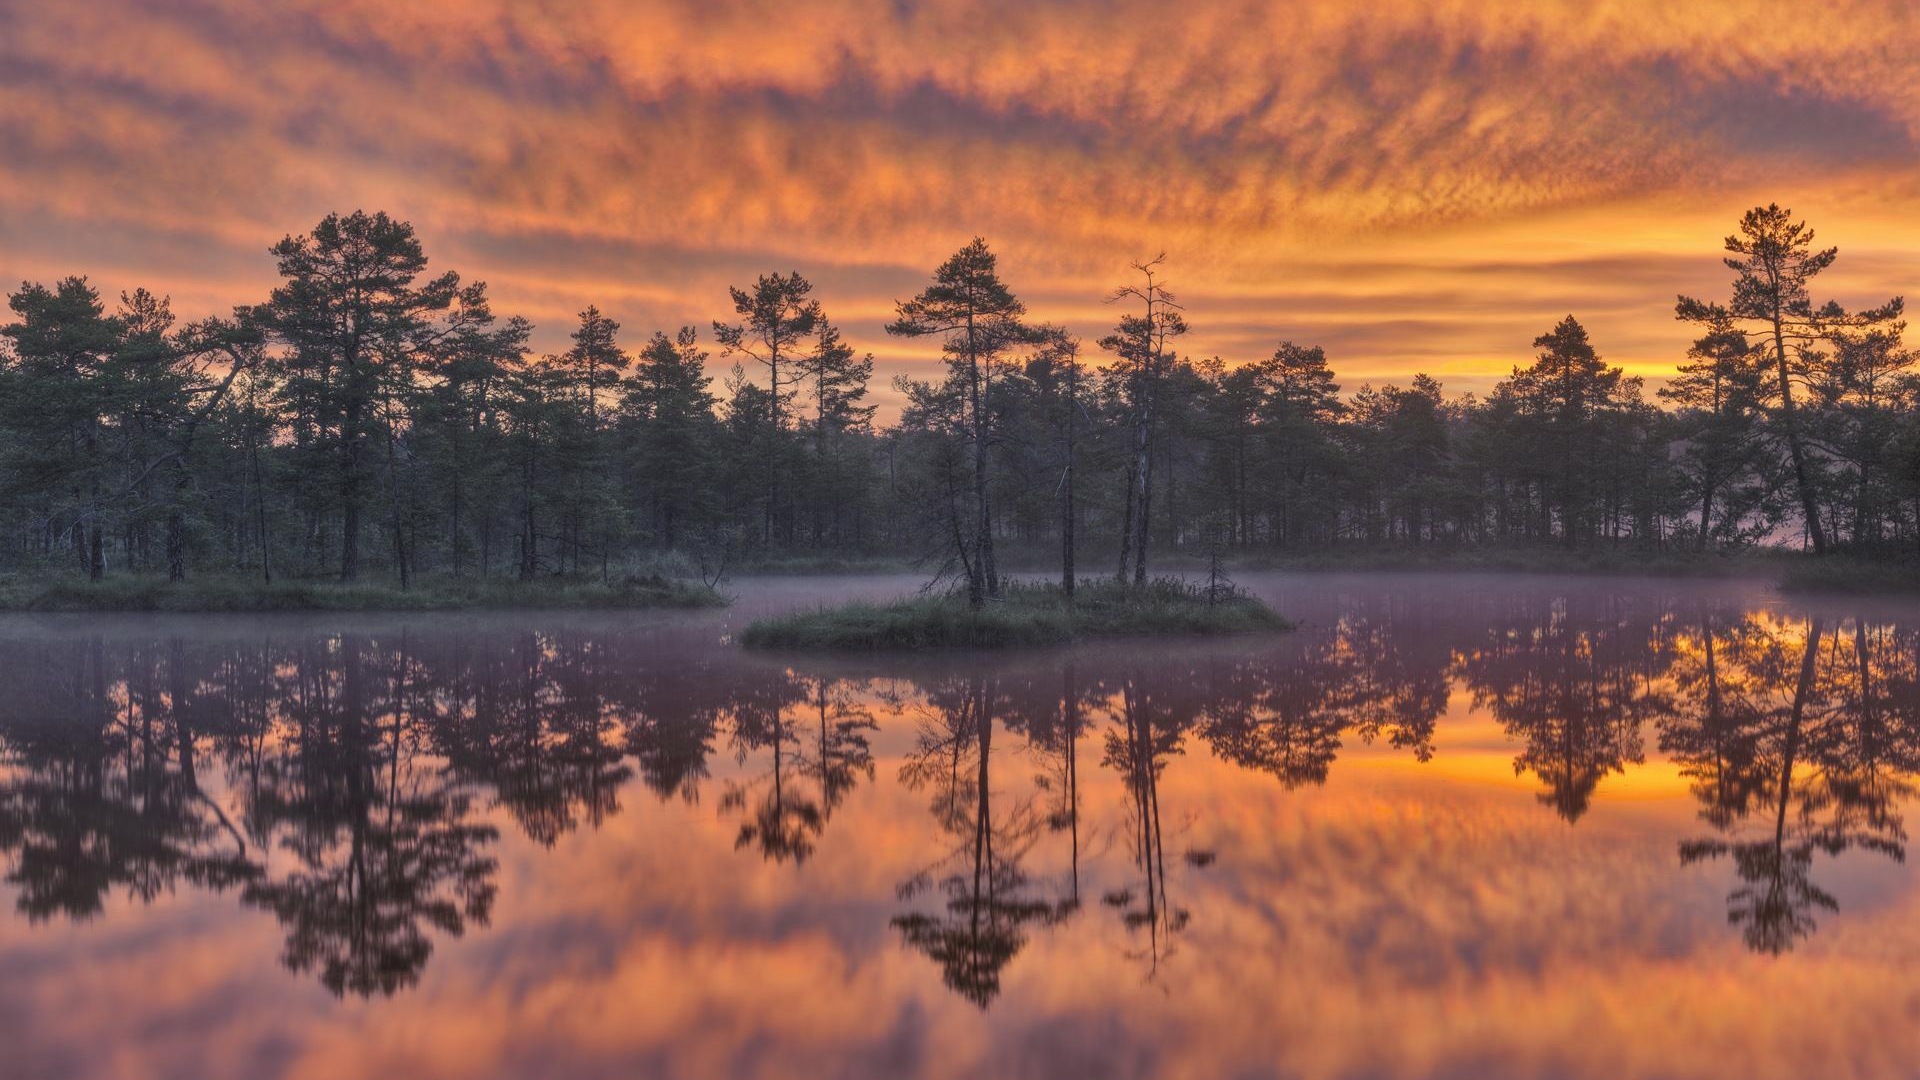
x=1791 y=428
x=529 y=538
x=400 y=556
x=983 y=540
x=176 y=546
x=773 y=442
x=453 y=528
x=1143 y=486
x=393 y=511
x=1706 y=512
x=1861 y=539
x=1066 y=501
x=350 y=488
x=260 y=508
x=976 y=584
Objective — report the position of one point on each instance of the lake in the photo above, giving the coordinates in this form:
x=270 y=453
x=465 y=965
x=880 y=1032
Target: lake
x=1457 y=826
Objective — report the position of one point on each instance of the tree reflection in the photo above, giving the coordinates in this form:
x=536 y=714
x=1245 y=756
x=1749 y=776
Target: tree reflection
x=1797 y=744
x=1398 y=663
x=384 y=843
x=1144 y=735
x=1053 y=724
x=1576 y=686
x=671 y=721
x=842 y=753
x=351 y=780
x=782 y=819
x=1287 y=722
x=99 y=788
x=531 y=723
x=1381 y=674
x=989 y=898
x=350 y=785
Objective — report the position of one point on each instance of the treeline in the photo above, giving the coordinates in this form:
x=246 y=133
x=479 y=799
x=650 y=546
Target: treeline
x=370 y=417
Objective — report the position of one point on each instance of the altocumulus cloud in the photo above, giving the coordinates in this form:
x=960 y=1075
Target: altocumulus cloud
x=1320 y=173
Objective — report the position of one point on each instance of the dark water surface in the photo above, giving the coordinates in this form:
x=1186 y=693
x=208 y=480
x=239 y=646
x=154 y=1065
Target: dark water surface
x=1465 y=826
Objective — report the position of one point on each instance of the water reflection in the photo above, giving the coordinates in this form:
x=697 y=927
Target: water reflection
x=1145 y=734
x=987 y=898
x=1798 y=743
x=354 y=785
x=1574 y=681
x=102 y=789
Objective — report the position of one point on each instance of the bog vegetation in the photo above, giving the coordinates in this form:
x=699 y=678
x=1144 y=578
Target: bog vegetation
x=371 y=418
x=1027 y=614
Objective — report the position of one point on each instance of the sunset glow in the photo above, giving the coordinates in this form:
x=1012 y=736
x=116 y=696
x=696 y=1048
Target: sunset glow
x=959 y=539
x=1417 y=187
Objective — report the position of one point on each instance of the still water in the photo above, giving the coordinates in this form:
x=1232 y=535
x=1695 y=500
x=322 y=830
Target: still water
x=1462 y=826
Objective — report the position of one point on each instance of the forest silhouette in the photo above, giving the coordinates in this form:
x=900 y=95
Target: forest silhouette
x=373 y=416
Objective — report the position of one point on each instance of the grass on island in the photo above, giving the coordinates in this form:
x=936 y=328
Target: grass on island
x=822 y=564
x=1026 y=615
x=232 y=594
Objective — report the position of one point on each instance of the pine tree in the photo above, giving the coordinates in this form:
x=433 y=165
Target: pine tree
x=596 y=360
x=1141 y=345
x=592 y=366
x=1561 y=399
x=462 y=436
x=668 y=414
x=776 y=317
x=1776 y=261
x=353 y=321
x=60 y=391
x=1299 y=412
x=836 y=382
x=1718 y=391
x=979 y=319
x=1860 y=391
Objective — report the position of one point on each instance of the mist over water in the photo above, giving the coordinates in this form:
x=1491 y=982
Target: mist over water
x=1451 y=826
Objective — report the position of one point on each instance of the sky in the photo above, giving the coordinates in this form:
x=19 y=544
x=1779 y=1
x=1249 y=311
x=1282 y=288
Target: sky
x=1415 y=187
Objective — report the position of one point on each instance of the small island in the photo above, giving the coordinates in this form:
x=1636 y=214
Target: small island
x=1023 y=615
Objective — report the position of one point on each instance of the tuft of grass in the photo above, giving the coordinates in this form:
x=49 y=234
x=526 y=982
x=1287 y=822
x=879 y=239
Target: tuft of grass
x=230 y=594
x=1857 y=576
x=1028 y=615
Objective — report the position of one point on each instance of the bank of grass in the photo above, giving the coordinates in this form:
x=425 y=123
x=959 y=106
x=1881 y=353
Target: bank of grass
x=1029 y=614
x=1853 y=576
x=230 y=594
x=1596 y=559
x=823 y=565
x=1532 y=560
x=1790 y=571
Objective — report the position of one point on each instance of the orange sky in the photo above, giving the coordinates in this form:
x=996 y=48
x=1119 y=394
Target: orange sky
x=1414 y=186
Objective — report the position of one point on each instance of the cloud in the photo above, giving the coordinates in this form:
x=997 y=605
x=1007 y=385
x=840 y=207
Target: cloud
x=639 y=156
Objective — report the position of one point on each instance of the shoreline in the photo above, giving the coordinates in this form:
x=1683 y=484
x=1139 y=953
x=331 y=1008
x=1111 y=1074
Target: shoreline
x=233 y=596
x=1788 y=572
